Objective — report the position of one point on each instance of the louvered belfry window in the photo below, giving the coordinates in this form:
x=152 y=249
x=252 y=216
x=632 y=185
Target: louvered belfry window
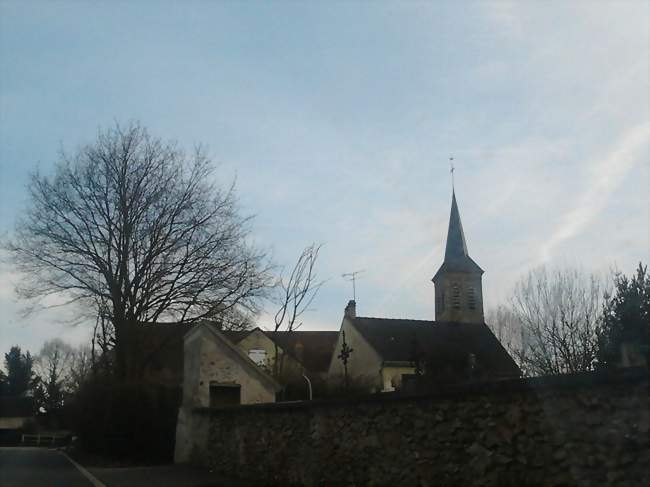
x=455 y=296
x=471 y=297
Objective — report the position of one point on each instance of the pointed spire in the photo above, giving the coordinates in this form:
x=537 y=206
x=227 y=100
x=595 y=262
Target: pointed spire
x=456 y=245
x=457 y=258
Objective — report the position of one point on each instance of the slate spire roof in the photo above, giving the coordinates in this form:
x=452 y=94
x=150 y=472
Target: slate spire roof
x=457 y=258
x=456 y=245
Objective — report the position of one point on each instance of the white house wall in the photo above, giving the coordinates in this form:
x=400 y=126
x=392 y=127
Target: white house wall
x=364 y=363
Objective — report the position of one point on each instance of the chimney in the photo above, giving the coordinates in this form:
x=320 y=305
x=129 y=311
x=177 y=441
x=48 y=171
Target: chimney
x=351 y=310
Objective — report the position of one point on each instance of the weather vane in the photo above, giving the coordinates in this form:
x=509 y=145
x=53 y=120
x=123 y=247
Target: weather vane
x=352 y=276
x=451 y=170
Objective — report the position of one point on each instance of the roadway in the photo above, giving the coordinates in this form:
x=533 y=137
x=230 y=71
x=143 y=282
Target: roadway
x=43 y=467
x=38 y=467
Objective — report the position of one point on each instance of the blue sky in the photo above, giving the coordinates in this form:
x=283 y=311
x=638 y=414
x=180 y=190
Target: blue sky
x=337 y=119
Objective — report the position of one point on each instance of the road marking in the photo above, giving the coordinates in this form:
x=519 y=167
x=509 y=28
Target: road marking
x=91 y=478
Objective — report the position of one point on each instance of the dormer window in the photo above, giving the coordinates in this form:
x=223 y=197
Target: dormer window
x=258 y=356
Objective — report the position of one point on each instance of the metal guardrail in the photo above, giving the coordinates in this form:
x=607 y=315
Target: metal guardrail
x=44 y=440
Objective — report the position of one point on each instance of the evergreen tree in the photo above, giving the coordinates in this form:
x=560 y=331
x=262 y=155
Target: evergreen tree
x=3 y=383
x=626 y=319
x=20 y=375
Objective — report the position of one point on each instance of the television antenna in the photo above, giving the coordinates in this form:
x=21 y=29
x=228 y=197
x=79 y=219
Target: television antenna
x=353 y=276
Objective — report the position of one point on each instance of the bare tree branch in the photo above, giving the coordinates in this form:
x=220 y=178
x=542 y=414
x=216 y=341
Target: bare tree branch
x=553 y=320
x=296 y=295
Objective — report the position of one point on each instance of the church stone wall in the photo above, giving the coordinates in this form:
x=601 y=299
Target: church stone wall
x=586 y=429
x=444 y=289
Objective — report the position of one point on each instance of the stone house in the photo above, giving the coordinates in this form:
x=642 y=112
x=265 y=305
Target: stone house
x=304 y=355
x=216 y=373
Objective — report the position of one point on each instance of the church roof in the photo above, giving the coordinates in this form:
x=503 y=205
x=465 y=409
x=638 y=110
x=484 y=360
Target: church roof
x=457 y=258
x=396 y=340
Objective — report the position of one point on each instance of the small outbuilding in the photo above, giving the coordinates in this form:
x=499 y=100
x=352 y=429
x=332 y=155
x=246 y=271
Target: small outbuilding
x=216 y=374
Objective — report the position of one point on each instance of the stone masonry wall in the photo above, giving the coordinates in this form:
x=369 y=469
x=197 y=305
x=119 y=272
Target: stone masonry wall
x=587 y=429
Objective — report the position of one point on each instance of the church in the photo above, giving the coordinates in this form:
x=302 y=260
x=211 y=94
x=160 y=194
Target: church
x=366 y=355
x=457 y=346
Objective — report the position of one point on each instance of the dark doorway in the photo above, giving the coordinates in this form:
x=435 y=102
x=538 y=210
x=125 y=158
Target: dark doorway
x=224 y=394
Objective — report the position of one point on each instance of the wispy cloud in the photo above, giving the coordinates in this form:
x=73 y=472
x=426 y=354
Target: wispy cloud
x=339 y=124
x=607 y=175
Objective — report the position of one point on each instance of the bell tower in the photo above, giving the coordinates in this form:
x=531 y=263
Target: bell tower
x=458 y=282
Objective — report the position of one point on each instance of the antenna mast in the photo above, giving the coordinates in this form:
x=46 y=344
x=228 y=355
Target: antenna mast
x=352 y=276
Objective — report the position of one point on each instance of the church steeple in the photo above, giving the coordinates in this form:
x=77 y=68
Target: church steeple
x=456 y=245
x=458 y=287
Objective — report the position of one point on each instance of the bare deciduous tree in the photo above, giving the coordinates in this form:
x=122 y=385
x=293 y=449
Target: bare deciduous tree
x=506 y=326
x=103 y=339
x=80 y=367
x=53 y=369
x=295 y=296
x=138 y=225
x=558 y=312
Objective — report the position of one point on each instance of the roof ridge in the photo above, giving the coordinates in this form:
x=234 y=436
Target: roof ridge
x=300 y=331
x=393 y=319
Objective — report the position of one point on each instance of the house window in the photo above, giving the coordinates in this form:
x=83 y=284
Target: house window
x=224 y=394
x=471 y=297
x=440 y=303
x=455 y=296
x=258 y=356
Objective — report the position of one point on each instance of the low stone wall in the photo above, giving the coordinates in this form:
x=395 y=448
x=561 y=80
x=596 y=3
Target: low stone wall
x=586 y=429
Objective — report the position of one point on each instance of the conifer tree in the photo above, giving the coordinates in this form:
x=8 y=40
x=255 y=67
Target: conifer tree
x=626 y=319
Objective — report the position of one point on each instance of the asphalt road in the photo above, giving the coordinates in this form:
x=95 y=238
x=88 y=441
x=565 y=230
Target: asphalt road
x=38 y=467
